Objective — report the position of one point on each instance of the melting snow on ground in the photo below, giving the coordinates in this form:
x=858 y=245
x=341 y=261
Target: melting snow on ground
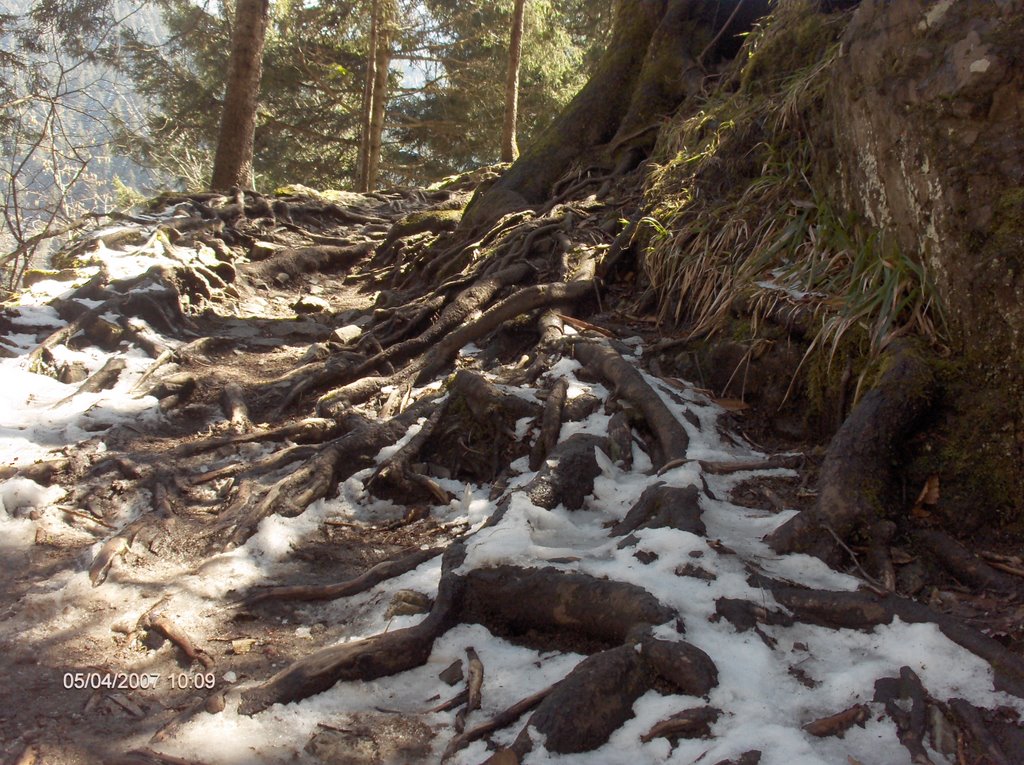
x=764 y=701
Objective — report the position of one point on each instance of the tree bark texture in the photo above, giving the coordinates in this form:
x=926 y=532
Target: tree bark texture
x=367 y=106
x=232 y=164
x=385 y=13
x=509 y=146
x=901 y=136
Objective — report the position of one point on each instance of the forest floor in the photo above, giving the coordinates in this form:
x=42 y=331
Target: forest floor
x=151 y=503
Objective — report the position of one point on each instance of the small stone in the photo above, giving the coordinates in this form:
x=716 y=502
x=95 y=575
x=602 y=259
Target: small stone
x=408 y=603
x=452 y=675
x=311 y=304
x=262 y=250
x=74 y=372
x=645 y=556
x=347 y=333
x=244 y=645
x=215 y=704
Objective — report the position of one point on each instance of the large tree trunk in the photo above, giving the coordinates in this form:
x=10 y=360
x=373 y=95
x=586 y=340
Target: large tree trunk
x=375 y=95
x=656 y=56
x=509 y=147
x=232 y=165
x=941 y=169
x=367 y=109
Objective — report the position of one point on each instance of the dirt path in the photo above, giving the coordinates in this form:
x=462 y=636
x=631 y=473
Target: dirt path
x=435 y=510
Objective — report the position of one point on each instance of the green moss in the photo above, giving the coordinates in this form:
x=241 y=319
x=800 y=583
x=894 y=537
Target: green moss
x=434 y=221
x=787 y=42
x=1007 y=228
x=972 y=446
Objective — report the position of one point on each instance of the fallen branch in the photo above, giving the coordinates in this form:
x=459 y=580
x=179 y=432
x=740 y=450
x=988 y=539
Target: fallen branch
x=381 y=572
x=501 y=720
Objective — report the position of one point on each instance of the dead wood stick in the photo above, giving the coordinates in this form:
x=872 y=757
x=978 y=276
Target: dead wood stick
x=40 y=472
x=1007 y=568
x=970 y=718
x=85 y=516
x=211 y=703
x=163 y=624
x=690 y=723
x=232 y=402
x=1012 y=560
x=388 y=569
x=772 y=463
x=105 y=377
x=261 y=466
x=114 y=547
x=870 y=582
x=789 y=461
x=629 y=384
x=148 y=756
x=551 y=424
x=457 y=700
x=962 y=563
x=499 y=721
x=474 y=688
x=579 y=324
x=311 y=430
x=840 y=722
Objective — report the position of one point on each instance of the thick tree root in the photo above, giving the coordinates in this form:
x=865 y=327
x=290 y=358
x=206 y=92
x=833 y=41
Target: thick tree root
x=629 y=384
x=962 y=563
x=855 y=476
x=858 y=610
x=507 y=600
x=383 y=571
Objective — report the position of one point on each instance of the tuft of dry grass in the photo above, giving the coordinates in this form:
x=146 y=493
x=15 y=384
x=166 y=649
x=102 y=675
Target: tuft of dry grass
x=739 y=205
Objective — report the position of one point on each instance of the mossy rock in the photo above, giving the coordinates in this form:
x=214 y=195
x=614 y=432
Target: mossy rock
x=426 y=221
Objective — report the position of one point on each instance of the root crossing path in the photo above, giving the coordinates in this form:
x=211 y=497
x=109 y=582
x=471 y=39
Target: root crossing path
x=300 y=480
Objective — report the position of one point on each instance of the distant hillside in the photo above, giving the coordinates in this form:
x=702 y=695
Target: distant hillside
x=61 y=144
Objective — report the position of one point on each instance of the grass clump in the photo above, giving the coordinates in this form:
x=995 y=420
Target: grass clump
x=741 y=210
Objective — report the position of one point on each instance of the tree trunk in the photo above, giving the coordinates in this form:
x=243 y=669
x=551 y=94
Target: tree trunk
x=963 y=221
x=657 y=51
x=362 y=182
x=375 y=93
x=509 y=147
x=232 y=164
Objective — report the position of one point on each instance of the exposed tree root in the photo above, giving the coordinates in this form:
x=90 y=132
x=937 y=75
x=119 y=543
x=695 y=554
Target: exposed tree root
x=855 y=477
x=964 y=564
x=662 y=506
x=510 y=287
x=383 y=571
x=629 y=384
x=859 y=610
x=505 y=599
